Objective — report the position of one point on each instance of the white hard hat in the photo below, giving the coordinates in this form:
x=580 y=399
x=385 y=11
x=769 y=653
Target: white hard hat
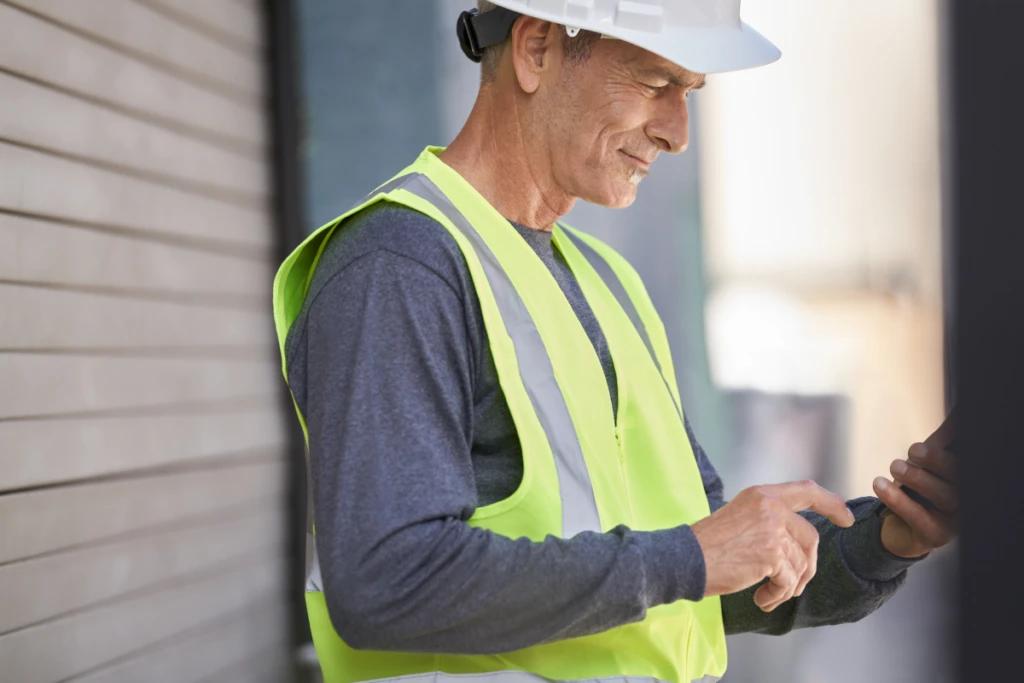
x=704 y=36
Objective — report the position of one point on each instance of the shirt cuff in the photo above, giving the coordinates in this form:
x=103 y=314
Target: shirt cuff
x=674 y=565
x=862 y=549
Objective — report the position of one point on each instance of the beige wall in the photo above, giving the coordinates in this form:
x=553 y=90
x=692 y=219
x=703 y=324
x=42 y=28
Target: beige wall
x=822 y=213
x=141 y=441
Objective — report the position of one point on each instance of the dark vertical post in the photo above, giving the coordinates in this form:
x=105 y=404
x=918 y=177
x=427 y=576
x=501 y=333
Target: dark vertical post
x=284 y=103
x=987 y=182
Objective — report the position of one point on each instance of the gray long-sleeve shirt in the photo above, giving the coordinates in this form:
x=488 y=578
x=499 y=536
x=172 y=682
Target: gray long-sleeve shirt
x=409 y=433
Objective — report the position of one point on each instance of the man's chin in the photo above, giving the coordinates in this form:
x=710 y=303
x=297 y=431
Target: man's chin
x=619 y=196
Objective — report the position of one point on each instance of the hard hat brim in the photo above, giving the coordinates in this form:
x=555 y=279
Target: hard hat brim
x=705 y=50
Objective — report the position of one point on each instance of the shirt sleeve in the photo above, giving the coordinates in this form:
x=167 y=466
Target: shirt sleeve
x=389 y=405
x=856 y=574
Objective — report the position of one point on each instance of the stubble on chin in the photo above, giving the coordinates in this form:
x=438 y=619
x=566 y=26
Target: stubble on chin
x=636 y=176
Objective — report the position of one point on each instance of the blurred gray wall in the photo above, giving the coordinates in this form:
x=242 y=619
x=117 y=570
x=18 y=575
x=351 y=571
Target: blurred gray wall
x=372 y=103
x=141 y=440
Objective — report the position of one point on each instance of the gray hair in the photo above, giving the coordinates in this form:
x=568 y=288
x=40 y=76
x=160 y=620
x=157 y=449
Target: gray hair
x=577 y=50
x=492 y=54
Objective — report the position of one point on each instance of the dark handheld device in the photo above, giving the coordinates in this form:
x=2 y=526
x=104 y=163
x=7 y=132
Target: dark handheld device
x=944 y=438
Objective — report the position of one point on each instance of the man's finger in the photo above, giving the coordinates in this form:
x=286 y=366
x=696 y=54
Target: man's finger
x=779 y=588
x=787 y=578
x=935 y=460
x=812 y=569
x=779 y=583
x=767 y=597
x=806 y=495
x=806 y=538
x=802 y=531
x=810 y=549
x=937 y=490
x=928 y=526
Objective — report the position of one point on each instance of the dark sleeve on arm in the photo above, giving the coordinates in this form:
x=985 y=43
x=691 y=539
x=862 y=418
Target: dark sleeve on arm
x=389 y=402
x=856 y=574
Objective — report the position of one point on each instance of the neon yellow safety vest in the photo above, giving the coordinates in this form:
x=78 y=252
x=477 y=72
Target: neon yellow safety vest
x=583 y=468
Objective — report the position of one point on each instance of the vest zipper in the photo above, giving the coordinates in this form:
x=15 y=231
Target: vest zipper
x=622 y=471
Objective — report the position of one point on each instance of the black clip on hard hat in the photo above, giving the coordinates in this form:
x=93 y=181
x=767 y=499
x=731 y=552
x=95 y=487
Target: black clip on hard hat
x=480 y=31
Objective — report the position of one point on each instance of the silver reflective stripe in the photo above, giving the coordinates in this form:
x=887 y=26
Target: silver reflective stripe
x=314 y=582
x=384 y=189
x=519 y=677
x=614 y=284
x=579 y=507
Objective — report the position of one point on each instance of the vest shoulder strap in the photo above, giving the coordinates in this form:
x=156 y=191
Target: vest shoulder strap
x=625 y=283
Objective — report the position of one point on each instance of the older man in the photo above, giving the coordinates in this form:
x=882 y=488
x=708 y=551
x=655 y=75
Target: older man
x=504 y=483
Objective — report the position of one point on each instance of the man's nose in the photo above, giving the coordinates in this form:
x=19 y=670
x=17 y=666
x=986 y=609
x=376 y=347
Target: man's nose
x=670 y=128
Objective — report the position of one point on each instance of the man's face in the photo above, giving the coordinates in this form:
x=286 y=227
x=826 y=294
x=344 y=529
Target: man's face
x=611 y=116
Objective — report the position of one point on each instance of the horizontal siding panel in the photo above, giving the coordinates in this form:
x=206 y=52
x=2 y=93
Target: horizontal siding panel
x=203 y=651
x=56 y=650
x=50 y=54
x=47 y=520
x=37 y=385
x=40 y=251
x=143 y=450
x=37 y=183
x=40 y=318
x=237 y=23
x=52 y=119
x=266 y=666
x=139 y=29
x=80 y=448
x=48 y=587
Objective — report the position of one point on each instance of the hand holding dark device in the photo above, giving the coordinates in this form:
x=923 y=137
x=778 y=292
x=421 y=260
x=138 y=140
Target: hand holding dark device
x=941 y=440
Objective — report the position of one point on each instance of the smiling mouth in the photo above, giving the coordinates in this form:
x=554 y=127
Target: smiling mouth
x=640 y=162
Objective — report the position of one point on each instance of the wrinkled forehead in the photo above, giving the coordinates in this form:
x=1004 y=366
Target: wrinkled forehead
x=643 y=62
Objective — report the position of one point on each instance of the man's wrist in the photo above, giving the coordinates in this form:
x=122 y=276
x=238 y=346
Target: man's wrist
x=674 y=565
x=865 y=554
x=890 y=537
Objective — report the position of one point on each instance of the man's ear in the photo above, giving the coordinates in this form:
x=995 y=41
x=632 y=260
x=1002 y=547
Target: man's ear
x=533 y=46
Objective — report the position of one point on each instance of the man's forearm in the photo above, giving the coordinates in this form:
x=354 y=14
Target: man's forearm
x=443 y=586
x=856 y=575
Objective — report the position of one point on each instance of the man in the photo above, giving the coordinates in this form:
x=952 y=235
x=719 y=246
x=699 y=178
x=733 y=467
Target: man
x=504 y=483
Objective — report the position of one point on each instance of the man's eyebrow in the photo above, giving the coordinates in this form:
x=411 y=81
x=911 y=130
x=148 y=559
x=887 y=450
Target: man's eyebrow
x=682 y=79
x=694 y=82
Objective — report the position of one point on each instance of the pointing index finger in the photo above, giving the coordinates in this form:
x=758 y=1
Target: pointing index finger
x=807 y=495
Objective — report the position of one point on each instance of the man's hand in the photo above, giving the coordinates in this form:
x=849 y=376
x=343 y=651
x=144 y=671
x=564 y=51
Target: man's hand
x=911 y=531
x=758 y=534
